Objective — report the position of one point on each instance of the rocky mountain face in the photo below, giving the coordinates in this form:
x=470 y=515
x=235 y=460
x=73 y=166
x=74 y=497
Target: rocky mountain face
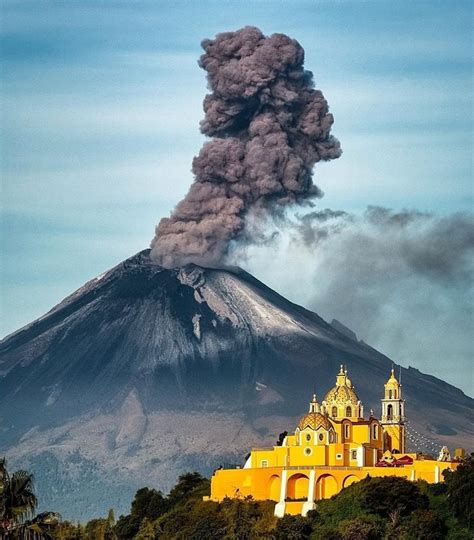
x=144 y=373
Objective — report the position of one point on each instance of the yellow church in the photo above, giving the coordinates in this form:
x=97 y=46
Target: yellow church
x=333 y=446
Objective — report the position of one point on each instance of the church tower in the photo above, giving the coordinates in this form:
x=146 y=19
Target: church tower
x=393 y=416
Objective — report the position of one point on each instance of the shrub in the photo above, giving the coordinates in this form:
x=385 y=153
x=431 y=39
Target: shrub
x=460 y=491
x=293 y=528
x=425 y=525
x=361 y=528
x=384 y=495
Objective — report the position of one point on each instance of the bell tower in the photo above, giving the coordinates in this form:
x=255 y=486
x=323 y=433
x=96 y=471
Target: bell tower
x=393 y=416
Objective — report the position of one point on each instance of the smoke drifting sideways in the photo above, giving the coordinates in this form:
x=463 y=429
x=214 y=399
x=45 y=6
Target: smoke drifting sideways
x=269 y=126
x=401 y=280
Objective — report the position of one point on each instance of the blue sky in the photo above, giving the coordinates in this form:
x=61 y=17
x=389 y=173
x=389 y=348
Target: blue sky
x=101 y=103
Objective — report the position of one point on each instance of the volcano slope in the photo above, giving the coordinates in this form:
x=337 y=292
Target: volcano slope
x=144 y=373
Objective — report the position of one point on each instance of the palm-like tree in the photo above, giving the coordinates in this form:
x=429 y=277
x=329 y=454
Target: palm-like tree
x=17 y=498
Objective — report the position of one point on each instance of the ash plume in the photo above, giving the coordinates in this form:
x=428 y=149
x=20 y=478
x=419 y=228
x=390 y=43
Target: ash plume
x=269 y=126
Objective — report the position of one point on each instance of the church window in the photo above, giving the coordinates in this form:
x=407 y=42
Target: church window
x=264 y=463
x=308 y=451
x=354 y=454
x=389 y=394
x=321 y=436
x=374 y=431
x=390 y=412
x=338 y=456
x=334 y=411
x=308 y=436
x=395 y=394
x=348 y=412
x=346 y=431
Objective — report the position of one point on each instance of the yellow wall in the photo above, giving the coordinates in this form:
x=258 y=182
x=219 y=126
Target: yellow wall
x=265 y=483
x=395 y=436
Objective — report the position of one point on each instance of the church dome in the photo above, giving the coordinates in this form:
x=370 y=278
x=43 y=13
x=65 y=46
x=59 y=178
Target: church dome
x=314 y=420
x=341 y=395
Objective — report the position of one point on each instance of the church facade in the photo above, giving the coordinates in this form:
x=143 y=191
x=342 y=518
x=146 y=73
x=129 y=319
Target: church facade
x=333 y=446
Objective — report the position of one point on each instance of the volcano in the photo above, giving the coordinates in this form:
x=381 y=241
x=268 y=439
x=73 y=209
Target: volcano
x=145 y=372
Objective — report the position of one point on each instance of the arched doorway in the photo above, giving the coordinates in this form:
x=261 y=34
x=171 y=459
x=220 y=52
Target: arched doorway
x=297 y=487
x=348 y=480
x=274 y=488
x=326 y=487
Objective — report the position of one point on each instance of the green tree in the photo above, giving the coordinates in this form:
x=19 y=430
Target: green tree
x=211 y=527
x=425 y=525
x=187 y=484
x=18 y=500
x=460 y=491
x=361 y=528
x=95 y=529
x=293 y=528
x=390 y=494
x=147 y=504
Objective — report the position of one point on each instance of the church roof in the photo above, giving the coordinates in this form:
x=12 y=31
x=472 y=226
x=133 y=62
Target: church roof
x=392 y=381
x=343 y=392
x=341 y=395
x=314 y=420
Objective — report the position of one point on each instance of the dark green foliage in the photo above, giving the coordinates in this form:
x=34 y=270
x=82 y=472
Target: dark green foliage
x=147 y=504
x=150 y=505
x=386 y=495
x=209 y=528
x=127 y=526
x=425 y=525
x=293 y=528
x=247 y=517
x=186 y=486
x=361 y=528
x=382 y=508
x=17 y=498
x=460 y=492
x=98 y=528
x=193 y=519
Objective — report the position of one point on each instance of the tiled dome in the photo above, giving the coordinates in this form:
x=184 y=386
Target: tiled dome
x=341 y=395
x=314 y=421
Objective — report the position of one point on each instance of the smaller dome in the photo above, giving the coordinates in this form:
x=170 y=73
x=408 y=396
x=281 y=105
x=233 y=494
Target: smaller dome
x=314 y=421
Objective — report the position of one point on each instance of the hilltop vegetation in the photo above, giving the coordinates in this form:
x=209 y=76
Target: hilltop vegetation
x=373 y=509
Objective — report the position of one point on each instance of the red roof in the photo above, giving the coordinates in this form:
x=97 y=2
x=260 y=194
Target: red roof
x=404 y=460
x=383 y=463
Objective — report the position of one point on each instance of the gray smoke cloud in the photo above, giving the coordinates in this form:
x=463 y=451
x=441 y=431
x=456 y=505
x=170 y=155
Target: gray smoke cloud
x=439 y=248
x=403 y=281
x=269 y=126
